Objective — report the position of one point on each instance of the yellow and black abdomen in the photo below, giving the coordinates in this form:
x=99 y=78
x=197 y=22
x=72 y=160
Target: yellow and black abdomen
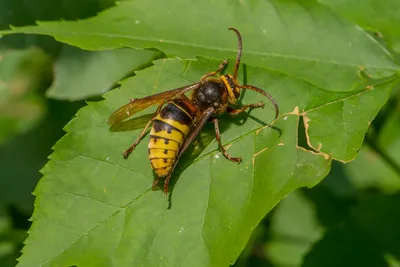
x=167 y=135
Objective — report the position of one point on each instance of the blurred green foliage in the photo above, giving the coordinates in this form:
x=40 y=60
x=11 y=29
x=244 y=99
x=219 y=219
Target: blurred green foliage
x=350 y=219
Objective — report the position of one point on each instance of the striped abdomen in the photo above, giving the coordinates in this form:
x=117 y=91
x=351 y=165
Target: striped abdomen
x=167 y=135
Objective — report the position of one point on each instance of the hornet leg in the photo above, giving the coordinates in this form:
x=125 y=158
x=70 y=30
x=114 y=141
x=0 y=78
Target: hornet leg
x=233 y=111
x=137 y=141
x=218 y=137
x=166 y=182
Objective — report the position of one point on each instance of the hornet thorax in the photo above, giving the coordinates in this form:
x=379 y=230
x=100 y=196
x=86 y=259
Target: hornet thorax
x=211 y=94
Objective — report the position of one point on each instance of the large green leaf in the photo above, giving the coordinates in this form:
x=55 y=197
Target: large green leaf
x=22 y=13
x=300 y=38
x=80 y=74
x=107 y=214
x=382 y=17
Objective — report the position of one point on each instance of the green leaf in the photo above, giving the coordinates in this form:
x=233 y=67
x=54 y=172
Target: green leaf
x=21 y=13
x=303 y=39
x=352 y=118
x=24 y=13
x=107 y=213
x=382 y=17
x=80 y=74
x=99 y=200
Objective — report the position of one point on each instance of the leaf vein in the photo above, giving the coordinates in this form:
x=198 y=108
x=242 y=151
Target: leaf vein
x=96 y=226
x=254 y=53
x=87 y=197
